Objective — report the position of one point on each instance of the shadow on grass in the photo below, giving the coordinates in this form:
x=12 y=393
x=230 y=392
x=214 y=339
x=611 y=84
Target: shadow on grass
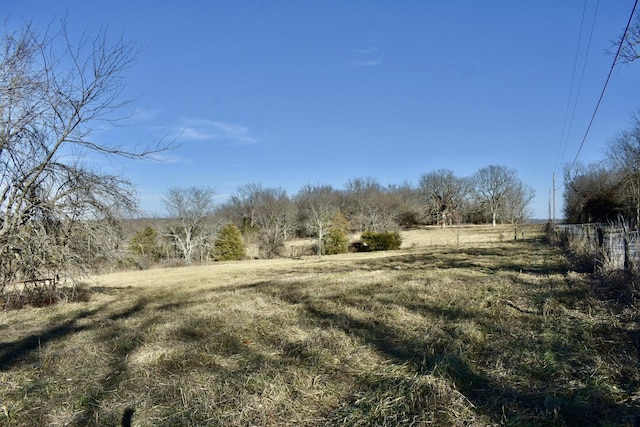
x=27 y=350
x=123 y=342
x=549 y=401
x=508 y=256
x=550 y=386
x=23 y=349
x=127 y=417
x=550 y=383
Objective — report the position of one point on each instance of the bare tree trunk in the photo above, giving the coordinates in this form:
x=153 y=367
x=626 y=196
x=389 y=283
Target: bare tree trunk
x=320 y=235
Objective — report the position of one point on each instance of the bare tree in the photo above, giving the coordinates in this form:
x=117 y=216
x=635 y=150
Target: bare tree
x=492 y=186
x=275 y=216
x=243 y=205
x=516 y=204
x=370 y=206
x=53 y=93
x=188 y=209
x=317 y=206
x=624 y=154
x=360 y=203
x=592 y=194
x=627 y=46
x=266 y=213
x=444 y=193
x=406 y=201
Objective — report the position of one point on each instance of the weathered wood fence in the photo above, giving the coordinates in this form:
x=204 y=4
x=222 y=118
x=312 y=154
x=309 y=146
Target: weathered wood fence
x=613 y=248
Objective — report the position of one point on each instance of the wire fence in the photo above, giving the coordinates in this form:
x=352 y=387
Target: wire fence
x=612 y=247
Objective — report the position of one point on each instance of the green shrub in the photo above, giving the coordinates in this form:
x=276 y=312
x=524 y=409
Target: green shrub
x=335 y=241
x=228 y=245
x=381 y=241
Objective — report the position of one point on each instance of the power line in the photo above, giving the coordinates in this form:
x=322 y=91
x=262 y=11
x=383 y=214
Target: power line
x=565 y=135
x=563 y=140
x=604 y=88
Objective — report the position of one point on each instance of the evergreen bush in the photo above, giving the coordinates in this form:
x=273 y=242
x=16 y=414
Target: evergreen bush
x=381 y=241
x=336 y=240
x=229 y=245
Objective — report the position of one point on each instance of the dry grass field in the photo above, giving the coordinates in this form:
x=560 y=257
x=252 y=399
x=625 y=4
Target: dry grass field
x=461 y=327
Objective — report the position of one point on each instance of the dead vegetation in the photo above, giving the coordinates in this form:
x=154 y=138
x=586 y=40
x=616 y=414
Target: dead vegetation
x=468 y=331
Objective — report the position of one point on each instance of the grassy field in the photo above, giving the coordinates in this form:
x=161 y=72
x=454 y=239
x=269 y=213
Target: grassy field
x=460 y=327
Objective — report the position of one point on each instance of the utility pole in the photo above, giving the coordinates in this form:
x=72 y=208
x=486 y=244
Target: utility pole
x=553 y=222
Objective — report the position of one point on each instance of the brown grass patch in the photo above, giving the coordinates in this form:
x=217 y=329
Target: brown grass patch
x=476 y=332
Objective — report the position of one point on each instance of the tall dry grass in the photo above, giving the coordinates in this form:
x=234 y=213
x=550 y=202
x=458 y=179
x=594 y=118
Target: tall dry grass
x=478 y=331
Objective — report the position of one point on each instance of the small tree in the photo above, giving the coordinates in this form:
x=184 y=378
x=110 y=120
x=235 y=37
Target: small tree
x=228 y=245
x=336 y=240
x=516 y=204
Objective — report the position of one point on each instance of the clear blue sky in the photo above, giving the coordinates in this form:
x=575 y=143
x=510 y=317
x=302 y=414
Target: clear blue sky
x=286 y=93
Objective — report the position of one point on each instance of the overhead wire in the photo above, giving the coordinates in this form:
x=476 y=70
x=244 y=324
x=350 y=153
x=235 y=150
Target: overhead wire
x=565 y=135
x=606 y=83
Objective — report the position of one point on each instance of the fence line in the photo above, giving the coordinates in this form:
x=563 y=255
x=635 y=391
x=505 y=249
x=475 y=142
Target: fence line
x=613 y=247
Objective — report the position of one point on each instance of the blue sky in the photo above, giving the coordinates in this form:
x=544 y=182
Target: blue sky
x=287 y=93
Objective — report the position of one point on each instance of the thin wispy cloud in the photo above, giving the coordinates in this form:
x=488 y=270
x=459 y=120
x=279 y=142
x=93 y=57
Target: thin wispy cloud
x=366 y=63
x=368 y=50
x=194 y=129
x=367 y=57
x=194 y=133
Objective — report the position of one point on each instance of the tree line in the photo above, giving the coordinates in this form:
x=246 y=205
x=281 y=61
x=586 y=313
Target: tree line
x=607 y=191
x=268 y=216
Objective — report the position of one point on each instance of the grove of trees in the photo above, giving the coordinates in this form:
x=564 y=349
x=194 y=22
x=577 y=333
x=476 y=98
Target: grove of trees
x=609 y=190
x=267 y=217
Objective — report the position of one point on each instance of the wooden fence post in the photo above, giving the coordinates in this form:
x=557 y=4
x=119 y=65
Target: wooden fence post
x=627 y=260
